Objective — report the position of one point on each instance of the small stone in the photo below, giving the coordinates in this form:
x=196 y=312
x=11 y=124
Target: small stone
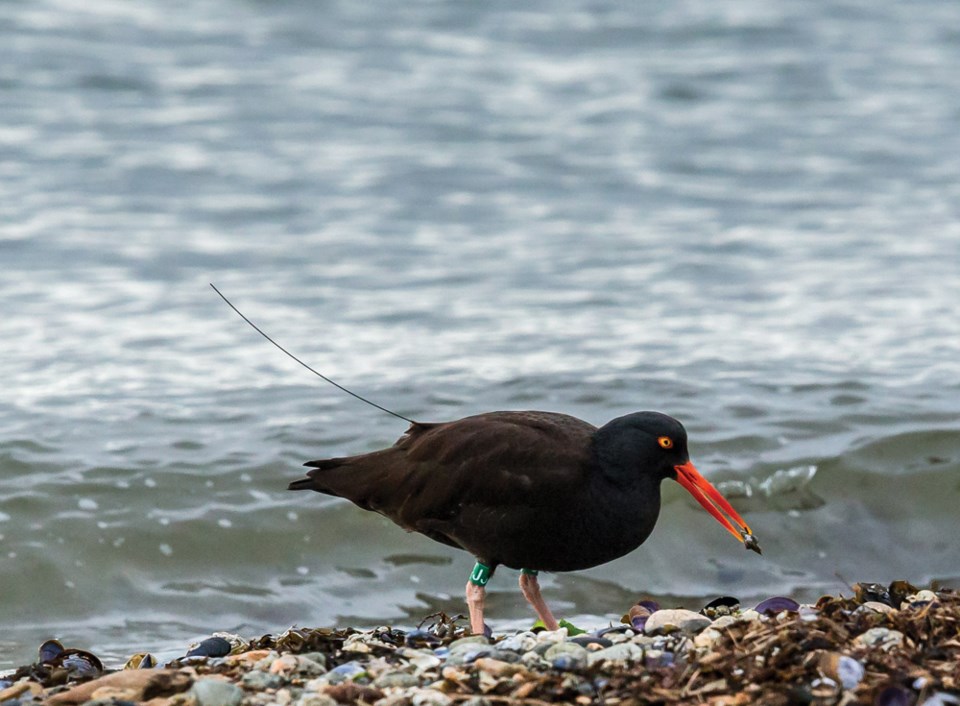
x=421 y=660
x=348 y=671
x=724 y=621
x=471 y=640
x=878 y=607
x=468 y=649
x=349 y=693
x=749 y=615
x=647 y=641
x=884 y=638
x=656 y=659
x=533 y=660
x=318 y=684
x=841 y=668
x=428 y=697
x=624 y=652
x=15 y=690
x=396 y=679
x=365 y=643
x=476 y=701
x=573 y=656
x=259 y=680
x=521 y=642
x=355 y=643
x=314 y=699
x=466 y=656
x=498 y=668
x=707 y=637
x=250 y=657
x=146 y=680
x=668 y=621
x=919 y=599
x=397 y=699
x=558 y=635
x=317 y=657
x=107 y=694
x=265 y=662
x=289 y=665
x=216 y=692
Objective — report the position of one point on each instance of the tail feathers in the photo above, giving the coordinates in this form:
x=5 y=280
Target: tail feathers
x=310 y=482
x=325 y=464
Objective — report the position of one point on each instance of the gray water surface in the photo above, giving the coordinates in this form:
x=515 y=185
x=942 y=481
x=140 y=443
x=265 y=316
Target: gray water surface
x=742 y=215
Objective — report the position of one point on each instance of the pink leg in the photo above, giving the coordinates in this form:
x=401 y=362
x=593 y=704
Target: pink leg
x=530 y=588
x=475 y=598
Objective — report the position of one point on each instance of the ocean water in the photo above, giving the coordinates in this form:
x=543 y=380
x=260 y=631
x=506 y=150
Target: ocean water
x=744 y=215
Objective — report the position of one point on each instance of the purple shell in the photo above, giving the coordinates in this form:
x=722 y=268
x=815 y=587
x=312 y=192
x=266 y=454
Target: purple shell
x=639 y=613
x=80 y=664
x=777 y=604
x=50 y=650
x=894 y=696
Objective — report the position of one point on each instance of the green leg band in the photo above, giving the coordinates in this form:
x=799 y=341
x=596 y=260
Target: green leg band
x=481 y=574
x=530 y=572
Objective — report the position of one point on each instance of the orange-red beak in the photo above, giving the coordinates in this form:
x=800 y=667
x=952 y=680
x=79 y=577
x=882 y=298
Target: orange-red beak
x=708 y=496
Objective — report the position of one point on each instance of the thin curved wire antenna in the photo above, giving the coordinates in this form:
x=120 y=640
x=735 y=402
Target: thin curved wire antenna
x=315 y=372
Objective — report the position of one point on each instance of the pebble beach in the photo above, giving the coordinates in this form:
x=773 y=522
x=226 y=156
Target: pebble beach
x=893 y=645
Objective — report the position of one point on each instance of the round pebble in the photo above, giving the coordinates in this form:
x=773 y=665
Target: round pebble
x=567 y=655
x=884 y=638
x=624 y=652
x=314 y=699
x=258 y=679
x=667 y=621
x=396 y=679
x=216 y=692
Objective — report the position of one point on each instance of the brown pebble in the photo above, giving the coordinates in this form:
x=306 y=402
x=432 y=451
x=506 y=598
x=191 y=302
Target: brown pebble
x=145 y=683
x=499 y=668
x=349 y=693
x=244 y=657
x=284 y=665
x=21 y=687
x=524 y=690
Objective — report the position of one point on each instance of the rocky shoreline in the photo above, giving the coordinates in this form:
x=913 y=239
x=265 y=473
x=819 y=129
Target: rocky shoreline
x=886 y=645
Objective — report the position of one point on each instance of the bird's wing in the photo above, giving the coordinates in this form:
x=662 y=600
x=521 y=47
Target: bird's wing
x=436 y=471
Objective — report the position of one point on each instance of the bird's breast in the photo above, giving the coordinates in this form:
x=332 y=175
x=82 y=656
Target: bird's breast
x=595 y=529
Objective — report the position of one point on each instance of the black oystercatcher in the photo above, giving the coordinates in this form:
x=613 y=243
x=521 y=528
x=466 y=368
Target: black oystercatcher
x=535 y=491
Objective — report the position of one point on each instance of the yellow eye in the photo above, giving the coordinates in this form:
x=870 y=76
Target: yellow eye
x=665 y=442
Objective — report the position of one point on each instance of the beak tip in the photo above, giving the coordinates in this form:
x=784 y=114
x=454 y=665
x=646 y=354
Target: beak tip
x=751 y=543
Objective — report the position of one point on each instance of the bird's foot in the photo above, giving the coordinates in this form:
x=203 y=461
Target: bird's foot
x=530 y=587
x=475 y=599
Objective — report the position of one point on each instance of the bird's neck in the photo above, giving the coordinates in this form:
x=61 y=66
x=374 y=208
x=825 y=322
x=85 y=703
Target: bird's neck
x=630 y=498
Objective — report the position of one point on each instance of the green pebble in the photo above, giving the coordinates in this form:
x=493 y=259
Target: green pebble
x=215 y=692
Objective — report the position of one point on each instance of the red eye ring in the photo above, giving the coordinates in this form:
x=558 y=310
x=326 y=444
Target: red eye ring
x=665 y=442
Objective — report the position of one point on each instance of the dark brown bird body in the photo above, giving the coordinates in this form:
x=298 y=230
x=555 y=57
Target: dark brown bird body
x=537 y=491
x=522 y=489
